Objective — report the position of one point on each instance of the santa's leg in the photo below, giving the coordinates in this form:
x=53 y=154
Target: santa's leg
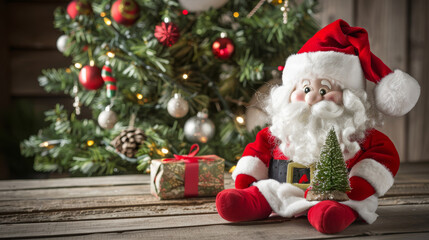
x=236 y=205
x=331 y=217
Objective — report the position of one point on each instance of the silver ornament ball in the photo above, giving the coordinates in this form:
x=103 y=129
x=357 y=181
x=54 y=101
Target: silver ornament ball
x=177 y=106
x=199 y=128
x=107 y=119
x=62 y=43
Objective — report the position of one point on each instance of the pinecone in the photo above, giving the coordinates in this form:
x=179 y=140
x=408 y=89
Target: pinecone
x=129 y=141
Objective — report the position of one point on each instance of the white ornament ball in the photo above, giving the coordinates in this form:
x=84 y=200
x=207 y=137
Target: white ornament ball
x=199 y=128
x=107 y=118
x=177 y=106
x=62 y=43
x=201 y=5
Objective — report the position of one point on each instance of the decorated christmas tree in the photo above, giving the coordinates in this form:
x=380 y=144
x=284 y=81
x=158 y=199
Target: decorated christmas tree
x=159 y=76
x=330 y=181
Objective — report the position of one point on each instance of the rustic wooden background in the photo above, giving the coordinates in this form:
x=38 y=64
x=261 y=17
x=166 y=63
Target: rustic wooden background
x=398 y=31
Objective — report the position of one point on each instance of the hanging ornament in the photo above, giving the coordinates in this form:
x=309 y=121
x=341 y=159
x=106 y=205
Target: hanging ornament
x=78 y=7
x=167 y=33
x=199 y=128
x=107 y=118
x=62 y=43
x=125 y=12
x=128 y=141
x=285 y=10
x=223 y=48
x=201 y=5
x=76 y=103
x=90 y=77
x=177 y=106
x=106 y=74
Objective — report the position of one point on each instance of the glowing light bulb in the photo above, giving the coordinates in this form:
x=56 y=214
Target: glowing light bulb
x=102 y=14
x=240 y=120
x=110 y=54
x=91 y=63
x=107 y=21
x=90 y=143
x=164 y=150
x=78 y=65
x=185 y=76
x=236 y=14
x=139 y=96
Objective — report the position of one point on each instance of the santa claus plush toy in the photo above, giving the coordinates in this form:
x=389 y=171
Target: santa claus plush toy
x=323 y=87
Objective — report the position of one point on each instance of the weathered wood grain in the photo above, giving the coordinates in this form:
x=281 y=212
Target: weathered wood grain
x=331 y=10
x=393 y=220
x=142 y=211
x=68 y=204
x=151 y=209
x=75 y=182
x=418 y=129
x=31 y=24
x=26 y=66
x=387 y=32
x=79 y=192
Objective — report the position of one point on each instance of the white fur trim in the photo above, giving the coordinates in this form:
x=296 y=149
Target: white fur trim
x=252 y=166
x=285 y=199
x=380 y=178
x=396 y=93
x=288 y=201
x=343 y=69
x=366 y=208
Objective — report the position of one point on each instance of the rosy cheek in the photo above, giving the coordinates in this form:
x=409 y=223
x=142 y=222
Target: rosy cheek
x=335 y=96
x=297 y=96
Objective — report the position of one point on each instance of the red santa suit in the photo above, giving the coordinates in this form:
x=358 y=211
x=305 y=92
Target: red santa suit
x=377 y=163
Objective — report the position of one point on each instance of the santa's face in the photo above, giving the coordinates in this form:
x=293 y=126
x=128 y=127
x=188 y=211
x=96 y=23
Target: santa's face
x=313 y=91
x=302 y=118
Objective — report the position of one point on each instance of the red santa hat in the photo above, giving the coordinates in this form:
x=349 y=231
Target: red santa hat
x=341 y=53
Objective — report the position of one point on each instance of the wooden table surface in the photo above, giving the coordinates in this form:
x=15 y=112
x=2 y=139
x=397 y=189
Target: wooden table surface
x=121 y=207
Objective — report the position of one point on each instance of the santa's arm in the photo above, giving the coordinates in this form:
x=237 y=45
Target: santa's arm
x=253 y=165
x=374 y=167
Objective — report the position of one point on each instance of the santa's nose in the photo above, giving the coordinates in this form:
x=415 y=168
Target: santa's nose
x=313 y=97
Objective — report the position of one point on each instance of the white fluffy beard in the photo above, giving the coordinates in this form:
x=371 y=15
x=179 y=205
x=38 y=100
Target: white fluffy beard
x=302 y=129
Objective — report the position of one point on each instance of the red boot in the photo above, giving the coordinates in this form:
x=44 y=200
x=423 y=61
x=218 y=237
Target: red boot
x=331 y=217
x=236 y=205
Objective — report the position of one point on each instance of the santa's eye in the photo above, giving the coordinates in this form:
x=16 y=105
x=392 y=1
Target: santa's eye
x=307 y=89
x=322 y=91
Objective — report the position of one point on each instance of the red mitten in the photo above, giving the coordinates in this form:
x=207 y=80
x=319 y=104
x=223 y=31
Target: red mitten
x=361 y=189
x=243 y=181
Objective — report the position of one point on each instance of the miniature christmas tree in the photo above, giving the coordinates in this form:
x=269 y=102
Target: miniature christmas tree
x=330 y=180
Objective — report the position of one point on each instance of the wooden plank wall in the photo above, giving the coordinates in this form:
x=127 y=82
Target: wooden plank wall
x=398 y=31
x=32 y=47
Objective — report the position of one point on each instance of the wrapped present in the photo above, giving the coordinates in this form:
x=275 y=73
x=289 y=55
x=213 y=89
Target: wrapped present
x=187 y=176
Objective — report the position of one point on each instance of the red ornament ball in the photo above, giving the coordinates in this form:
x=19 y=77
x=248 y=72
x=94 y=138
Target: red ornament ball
x=167 y=33
x=78 y=7
x=90 y=77
x=280 y=68
x=125 y=12
x=223 y=48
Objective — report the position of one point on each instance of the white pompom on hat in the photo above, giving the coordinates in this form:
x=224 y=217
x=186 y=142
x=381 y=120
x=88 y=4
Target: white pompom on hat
x=341 y=53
